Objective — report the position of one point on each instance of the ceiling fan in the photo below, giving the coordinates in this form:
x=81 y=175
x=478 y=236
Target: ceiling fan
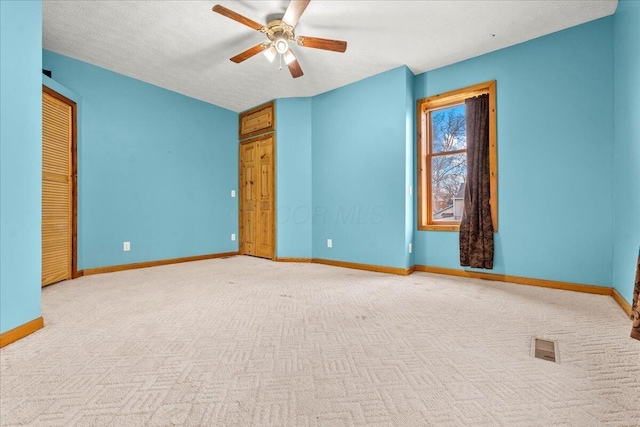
x=280 y=33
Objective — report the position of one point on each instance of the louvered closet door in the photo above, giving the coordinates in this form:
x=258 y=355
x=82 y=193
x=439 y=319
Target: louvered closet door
x=56 y=189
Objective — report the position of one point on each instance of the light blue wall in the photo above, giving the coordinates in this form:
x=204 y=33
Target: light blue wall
x=156 y=168
x=626 y=164
x=410 y=154
x=62 y=90
x=20 y=161
x=293 y=158
x=359 y=168
x=555 y=155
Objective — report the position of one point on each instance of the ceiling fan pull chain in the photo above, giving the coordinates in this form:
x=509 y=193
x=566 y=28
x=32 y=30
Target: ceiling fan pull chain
x=280 y=62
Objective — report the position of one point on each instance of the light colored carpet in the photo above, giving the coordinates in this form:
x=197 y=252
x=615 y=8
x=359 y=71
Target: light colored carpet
x=249 y=342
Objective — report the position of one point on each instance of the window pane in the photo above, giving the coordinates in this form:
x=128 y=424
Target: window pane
x=448 y=130
x=448 y=175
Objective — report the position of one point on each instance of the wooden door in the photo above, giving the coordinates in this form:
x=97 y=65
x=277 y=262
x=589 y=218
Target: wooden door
x=58 y=132
x=264 y=224
x=249 y=183
x=257 y=197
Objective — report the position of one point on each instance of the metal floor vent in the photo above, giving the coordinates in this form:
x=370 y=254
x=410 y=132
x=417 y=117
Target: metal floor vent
x=545 y=349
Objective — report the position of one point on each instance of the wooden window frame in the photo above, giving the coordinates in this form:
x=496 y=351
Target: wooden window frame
x=438 y=102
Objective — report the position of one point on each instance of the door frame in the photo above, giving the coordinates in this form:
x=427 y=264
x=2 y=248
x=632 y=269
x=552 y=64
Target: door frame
x=74 y=178
x=274 y=229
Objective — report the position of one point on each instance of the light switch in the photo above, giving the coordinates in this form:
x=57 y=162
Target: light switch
x=233 y=193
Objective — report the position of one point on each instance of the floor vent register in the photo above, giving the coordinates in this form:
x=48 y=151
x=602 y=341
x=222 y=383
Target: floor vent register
x=545 y=349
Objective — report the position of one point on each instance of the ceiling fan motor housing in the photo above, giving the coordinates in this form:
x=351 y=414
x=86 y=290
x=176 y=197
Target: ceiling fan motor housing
x=280 y=33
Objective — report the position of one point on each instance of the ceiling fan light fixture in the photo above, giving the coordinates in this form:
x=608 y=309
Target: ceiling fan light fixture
x=270 y=53
x=281 y=44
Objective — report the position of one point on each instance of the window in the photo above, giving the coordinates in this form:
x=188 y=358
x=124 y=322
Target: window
x=442 y=157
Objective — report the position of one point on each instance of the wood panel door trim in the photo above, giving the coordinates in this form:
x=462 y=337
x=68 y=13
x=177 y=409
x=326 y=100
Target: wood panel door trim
x=74 y=175
x=241 y=248
x=268 y=108
x=274 y=205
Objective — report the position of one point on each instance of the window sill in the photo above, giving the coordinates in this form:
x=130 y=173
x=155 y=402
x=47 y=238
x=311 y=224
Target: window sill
x=439 y=227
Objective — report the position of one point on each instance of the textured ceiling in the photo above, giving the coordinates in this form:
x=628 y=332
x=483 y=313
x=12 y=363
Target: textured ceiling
x=185 y=47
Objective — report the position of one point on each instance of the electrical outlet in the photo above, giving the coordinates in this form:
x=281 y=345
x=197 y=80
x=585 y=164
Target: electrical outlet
x=126 y=246
x=233 y=193
x=410 y=247
x=329 y=243
x=233 y=237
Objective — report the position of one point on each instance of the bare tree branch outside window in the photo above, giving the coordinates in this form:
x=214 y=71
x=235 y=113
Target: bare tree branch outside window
x=448 y=171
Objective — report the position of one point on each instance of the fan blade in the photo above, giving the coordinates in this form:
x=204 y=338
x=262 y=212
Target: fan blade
x=250 y=52
x=294 y=68
x=237 y=17
x=292 y=63
x=294 y=11
x=318 y=43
